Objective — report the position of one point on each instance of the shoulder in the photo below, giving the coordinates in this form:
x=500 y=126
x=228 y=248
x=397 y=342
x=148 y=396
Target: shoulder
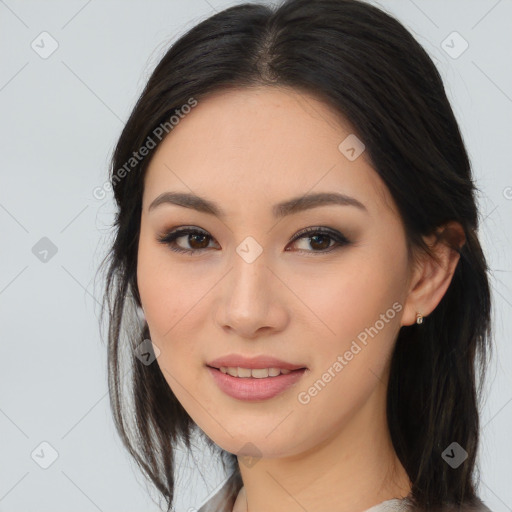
x=477 y=505
x=392 y=505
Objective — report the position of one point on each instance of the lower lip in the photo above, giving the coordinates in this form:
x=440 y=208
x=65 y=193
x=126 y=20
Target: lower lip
x=251 y=388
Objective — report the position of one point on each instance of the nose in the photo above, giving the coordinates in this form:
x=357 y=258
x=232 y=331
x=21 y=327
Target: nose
x=252 y=300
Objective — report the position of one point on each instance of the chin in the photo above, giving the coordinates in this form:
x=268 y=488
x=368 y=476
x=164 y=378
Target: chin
x=259 y=445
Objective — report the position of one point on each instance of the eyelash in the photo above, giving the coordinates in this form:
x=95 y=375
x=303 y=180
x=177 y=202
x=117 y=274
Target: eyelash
x=340 y=240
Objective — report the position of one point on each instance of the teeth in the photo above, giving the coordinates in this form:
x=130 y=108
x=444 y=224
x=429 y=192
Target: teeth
x=257 y=373
x=243 y=372
x=232 y=371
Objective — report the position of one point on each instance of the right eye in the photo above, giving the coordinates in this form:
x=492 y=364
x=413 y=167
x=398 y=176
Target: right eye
x=197 y=239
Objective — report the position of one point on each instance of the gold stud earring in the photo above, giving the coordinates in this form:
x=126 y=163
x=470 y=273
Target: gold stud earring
x=419 y=318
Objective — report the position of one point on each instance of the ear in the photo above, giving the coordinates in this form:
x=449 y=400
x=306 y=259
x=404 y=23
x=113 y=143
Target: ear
x=430 y=279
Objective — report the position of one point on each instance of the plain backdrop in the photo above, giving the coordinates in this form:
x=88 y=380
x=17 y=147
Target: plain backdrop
x=70 y=74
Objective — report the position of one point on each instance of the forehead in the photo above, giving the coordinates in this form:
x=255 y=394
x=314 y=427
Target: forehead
x=245 y=145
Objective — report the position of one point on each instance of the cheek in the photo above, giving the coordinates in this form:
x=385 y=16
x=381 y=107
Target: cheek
x=176 y=305
x=356 y=307
x=168 y=298
x=167 y=291
x=350 y=297
x=360 y=312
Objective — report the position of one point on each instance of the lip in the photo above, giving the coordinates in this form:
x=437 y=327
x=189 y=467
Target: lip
x=262 y=361
x=253 y=389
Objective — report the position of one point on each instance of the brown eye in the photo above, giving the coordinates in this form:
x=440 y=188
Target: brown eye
x=319 y=239
x=197 y=240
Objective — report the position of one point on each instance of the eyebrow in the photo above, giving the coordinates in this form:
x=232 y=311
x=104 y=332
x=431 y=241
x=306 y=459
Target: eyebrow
x=288 y=207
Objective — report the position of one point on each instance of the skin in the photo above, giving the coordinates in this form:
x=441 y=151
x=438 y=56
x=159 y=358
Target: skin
x=247 y=149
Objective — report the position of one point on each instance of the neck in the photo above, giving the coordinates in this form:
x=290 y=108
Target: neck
x=353 y=470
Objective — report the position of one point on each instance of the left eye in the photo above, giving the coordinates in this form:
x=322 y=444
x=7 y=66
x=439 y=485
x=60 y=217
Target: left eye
x=198 y=240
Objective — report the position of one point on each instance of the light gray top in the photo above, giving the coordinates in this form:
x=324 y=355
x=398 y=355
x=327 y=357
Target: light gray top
x=221 y=502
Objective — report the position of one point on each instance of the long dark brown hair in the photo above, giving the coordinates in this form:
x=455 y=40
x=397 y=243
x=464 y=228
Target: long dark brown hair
x=368 y=67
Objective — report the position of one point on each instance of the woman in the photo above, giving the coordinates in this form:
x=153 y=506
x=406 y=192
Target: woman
x=297 y=225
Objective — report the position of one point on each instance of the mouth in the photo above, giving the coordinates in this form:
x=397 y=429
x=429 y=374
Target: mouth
x=255 y=373
x=245 y=364
x=255 y=384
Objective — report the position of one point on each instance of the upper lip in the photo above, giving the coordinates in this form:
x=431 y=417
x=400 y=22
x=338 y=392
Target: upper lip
x=235 y=360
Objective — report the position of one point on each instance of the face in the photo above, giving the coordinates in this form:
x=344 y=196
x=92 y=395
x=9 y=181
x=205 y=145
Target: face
x=250 y=281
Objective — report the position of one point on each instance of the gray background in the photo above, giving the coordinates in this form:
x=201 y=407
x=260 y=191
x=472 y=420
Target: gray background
x=60 y=118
